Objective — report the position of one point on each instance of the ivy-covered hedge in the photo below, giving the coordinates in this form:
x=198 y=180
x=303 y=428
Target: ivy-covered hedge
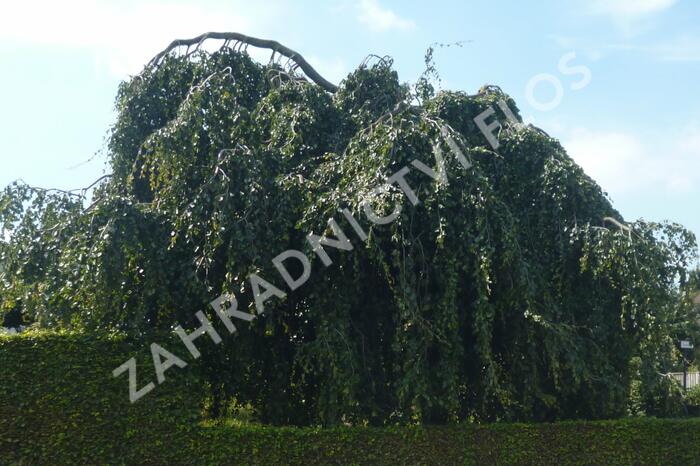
x=59 y=404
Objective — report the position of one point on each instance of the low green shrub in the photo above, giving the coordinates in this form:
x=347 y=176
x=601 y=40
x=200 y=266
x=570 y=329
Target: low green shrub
x=692 y=398
x=61 y=405
x=643 y=441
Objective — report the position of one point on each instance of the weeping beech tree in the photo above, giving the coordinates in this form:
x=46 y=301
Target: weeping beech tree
x=502 y=294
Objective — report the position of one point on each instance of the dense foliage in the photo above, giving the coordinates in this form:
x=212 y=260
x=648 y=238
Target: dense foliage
x=61 y=407
x=501 y=295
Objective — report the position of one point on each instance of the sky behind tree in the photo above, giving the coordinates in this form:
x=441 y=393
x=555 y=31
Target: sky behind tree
x=633 y=125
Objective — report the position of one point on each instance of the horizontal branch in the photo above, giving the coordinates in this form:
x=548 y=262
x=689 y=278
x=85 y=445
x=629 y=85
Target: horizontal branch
x=77 y=192
x=36 y=189
x=273 y=45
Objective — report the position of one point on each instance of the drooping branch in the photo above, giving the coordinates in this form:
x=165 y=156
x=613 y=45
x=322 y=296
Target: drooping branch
x=36 y=189
x=255 y=42
x=78 y=192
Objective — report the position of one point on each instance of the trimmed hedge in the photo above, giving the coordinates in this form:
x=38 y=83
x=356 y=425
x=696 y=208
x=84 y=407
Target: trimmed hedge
x=625 y=442
x=61 y=405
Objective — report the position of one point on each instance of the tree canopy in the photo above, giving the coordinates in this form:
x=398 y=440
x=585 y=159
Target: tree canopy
x=502 y=294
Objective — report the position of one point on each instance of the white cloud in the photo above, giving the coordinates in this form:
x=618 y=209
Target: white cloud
x=610 y=158
x=683 y=48
x=335 y=70
x=627 y=164
x=630 y=17
x=378 y=18
x=123 y=36
x=590 y=50
x=680 y=48
x=690 y=142
x=629 y=8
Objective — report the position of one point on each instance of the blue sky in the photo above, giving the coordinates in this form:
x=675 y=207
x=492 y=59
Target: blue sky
x=635 y=127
